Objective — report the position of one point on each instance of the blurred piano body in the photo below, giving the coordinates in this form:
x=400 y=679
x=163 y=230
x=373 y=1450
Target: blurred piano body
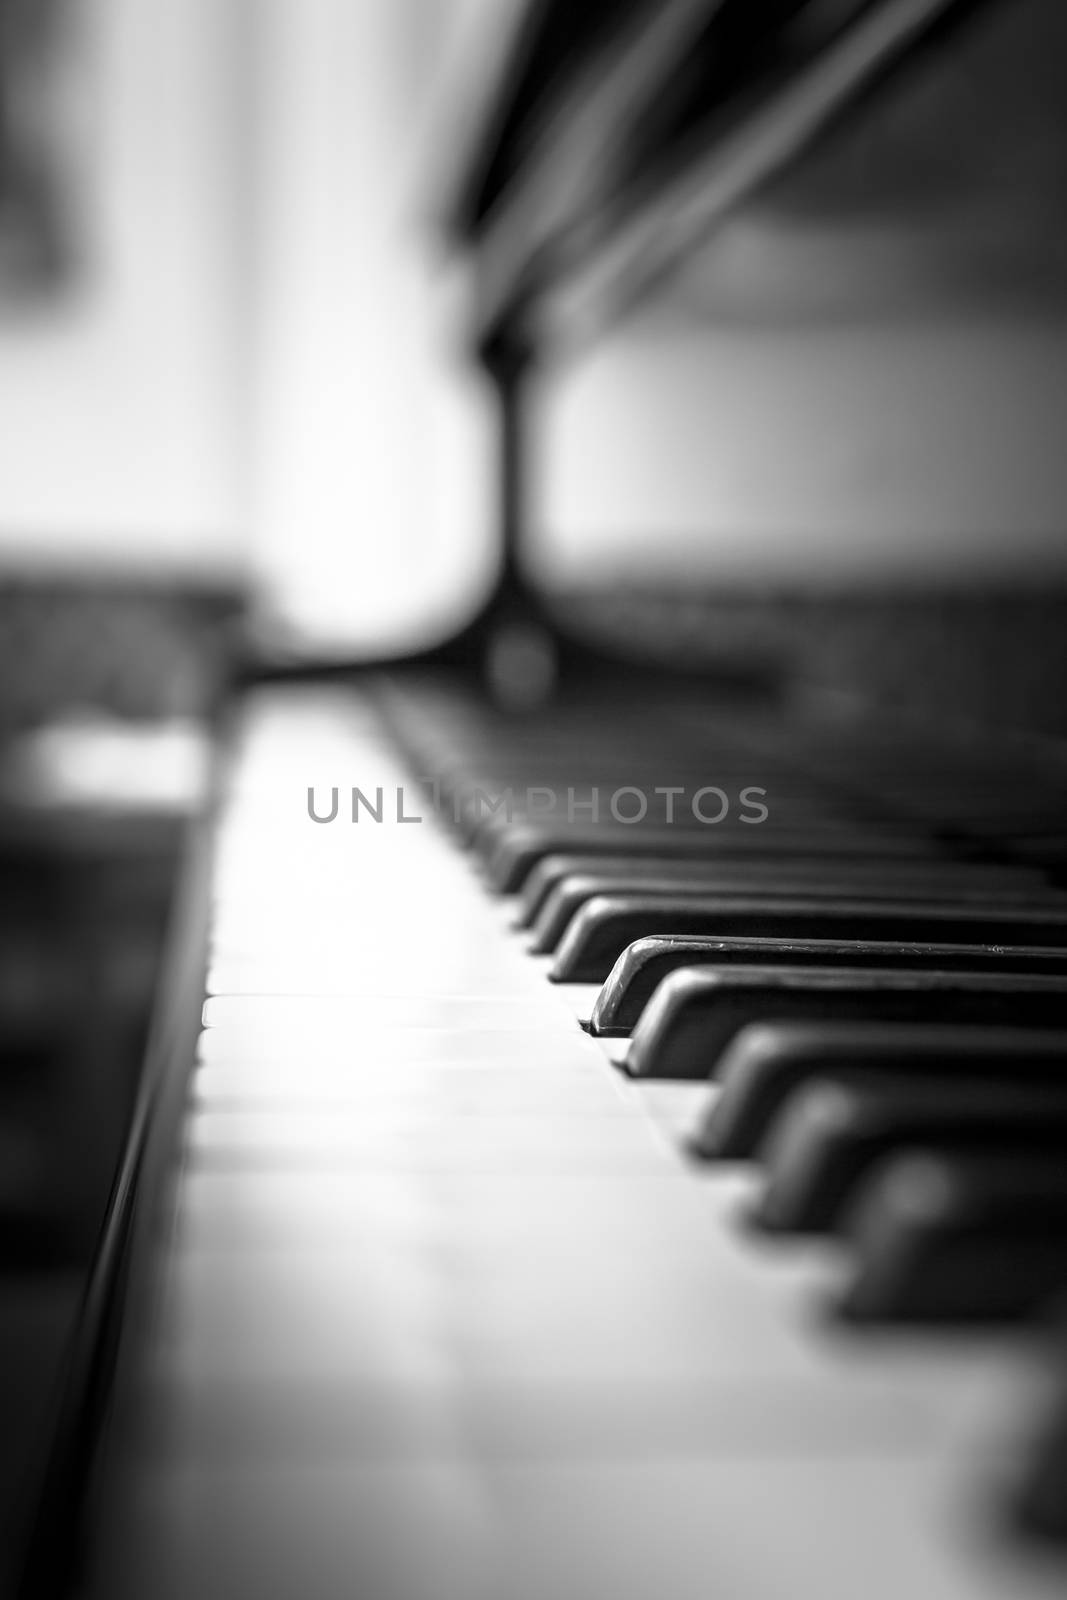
x=412 y=1286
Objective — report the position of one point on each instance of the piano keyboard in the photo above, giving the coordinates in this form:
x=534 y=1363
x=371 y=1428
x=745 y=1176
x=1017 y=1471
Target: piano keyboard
x=728 y=1277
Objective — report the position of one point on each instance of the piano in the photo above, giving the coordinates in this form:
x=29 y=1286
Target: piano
x=604 y=1132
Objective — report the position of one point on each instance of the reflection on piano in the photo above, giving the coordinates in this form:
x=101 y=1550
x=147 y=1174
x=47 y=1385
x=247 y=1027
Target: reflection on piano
x=594 y=1187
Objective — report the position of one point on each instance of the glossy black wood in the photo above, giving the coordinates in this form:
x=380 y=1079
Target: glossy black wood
x=645 y=964
x=602 y=929
x=770 y=1061
x=948 y=1237
x=831 y=1133
x=695 y=1015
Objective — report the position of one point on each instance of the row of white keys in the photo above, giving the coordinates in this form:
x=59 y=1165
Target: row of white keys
x=443 y=1311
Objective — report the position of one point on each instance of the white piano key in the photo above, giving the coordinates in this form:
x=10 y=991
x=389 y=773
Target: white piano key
x=372 y=1048
x=563 y=1508
x=675 y=1107
x=273 y=975
x=368 y=1314
x=371 y=1139
x=323 y=1533
x=878 y=1528
x=463 y=1091
x=343 y=1014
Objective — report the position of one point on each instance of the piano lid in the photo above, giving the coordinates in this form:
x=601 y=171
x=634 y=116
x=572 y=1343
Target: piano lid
x=687 y=121
x=538 y=49
x=944 y=190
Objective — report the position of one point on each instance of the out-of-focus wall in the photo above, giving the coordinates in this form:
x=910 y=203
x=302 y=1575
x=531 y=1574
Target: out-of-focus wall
x=374 y=479
x=259 y=367
x=122 y=403
x=897 y=449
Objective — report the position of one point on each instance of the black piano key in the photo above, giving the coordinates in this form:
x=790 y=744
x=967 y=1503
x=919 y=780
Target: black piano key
x=940 y=1236
x=512 y=853
x=766 y=1064
x=695 y=1014
x=832 y=1132
x=580 y=876
x=820 y=880
x=568 y=880
x=644 y=861
x=644 y=964
x=600 y=932
x=551 y=870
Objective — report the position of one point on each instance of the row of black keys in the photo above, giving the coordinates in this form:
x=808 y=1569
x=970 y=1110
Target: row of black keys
x=887 y=1029
x=876 y=978
x=929 y=1044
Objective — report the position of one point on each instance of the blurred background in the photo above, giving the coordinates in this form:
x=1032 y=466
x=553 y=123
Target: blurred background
x=237 y=404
